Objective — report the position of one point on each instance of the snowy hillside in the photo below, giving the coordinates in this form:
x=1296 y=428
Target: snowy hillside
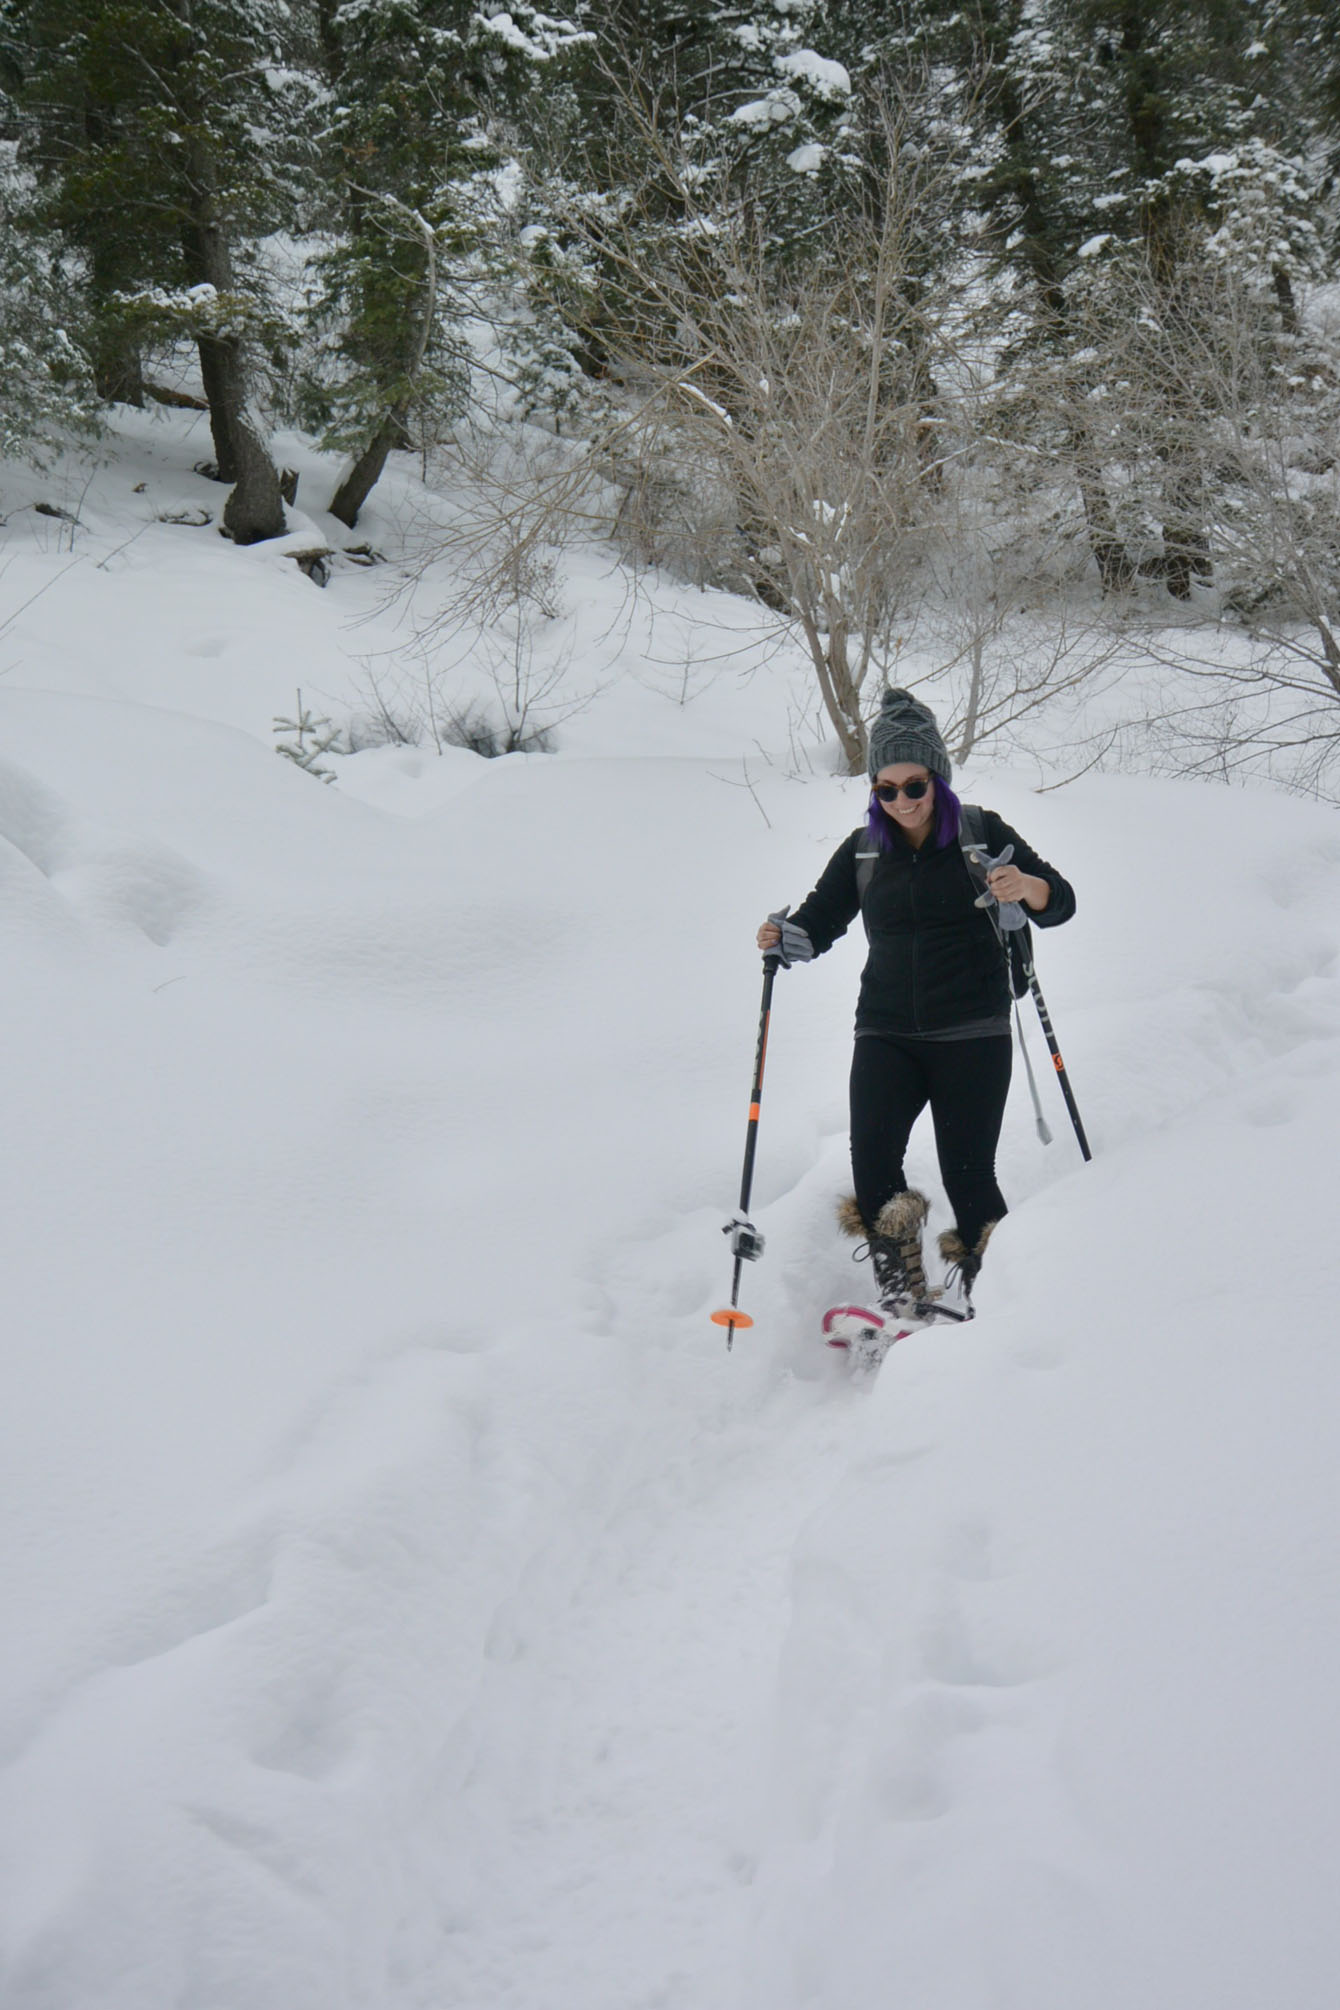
x=411 y=1604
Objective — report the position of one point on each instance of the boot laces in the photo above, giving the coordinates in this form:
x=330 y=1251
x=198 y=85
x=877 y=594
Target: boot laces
x=959 y=1276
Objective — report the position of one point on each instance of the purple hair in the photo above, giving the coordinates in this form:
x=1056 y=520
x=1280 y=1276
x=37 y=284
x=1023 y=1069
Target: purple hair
x=948 y=816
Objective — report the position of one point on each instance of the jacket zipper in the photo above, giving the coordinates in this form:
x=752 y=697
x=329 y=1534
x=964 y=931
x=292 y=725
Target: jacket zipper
x=916 y=954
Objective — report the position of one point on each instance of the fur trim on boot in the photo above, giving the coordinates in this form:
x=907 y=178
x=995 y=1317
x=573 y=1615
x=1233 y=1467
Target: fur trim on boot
x=959 y=1257
x=849 y=1218
x=899 y=1216
x=903 y=1215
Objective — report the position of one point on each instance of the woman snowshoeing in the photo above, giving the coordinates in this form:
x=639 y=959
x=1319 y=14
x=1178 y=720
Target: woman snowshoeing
x=933 y=1016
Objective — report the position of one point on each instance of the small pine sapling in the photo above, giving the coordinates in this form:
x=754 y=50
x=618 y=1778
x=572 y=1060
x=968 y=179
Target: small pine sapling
x=311 y=738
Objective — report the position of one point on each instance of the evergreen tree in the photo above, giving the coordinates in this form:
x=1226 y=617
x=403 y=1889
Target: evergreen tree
x=1156 y=132
x=421 y=90
x=172 y=131
x=1207 y=164
x=671 y=120
x=48 y=386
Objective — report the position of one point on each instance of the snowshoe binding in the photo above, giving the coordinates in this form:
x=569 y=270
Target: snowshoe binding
x=862 y=1333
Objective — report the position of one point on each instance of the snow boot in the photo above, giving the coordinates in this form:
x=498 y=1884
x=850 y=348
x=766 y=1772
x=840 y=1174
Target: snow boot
x=963 y=1266
x=894 y=1248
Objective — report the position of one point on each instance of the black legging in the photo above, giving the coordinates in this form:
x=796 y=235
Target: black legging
x=966 y=1083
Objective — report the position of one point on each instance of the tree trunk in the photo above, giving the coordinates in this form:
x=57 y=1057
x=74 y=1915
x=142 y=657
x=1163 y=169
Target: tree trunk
x=924 y=391
x=1288 y=306
x=357 y=485
x=976 y=682
x=255 y=509
x=117 y=368
x=1186 y=542
x=365 y=473
x=841 y=701
x=1037 y=251
x=117 y=365
x=1116 y=568
x=214 y=377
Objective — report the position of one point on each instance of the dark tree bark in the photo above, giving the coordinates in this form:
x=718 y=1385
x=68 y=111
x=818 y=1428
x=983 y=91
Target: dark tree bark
x=1116 y=567
x=358 y=484
x=255 y=509
x=118 y=369
x=117 y=365
x=1186 y=542
x=1288 y=306
x=220 y=399
x=365 y=473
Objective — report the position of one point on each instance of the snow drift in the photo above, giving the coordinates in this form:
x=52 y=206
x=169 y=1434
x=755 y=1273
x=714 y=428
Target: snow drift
x=411 y=1602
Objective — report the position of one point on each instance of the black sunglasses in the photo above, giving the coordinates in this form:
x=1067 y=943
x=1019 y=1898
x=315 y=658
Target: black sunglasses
x=889 y=792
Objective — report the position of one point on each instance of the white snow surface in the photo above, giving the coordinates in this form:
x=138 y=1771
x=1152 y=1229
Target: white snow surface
x=411 y=1604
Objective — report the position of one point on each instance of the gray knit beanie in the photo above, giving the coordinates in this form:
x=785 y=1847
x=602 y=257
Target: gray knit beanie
x=905 y=730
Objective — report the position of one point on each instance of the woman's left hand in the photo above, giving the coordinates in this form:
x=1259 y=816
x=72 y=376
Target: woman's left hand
x=1008 y=883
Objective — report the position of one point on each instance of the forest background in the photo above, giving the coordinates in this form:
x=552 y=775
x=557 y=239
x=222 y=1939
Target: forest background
x=1001 y=336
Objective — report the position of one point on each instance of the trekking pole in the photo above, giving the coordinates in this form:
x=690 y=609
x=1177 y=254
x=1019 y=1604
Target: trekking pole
x=1055 y=1051
x=987 y=900
x=746 y=1242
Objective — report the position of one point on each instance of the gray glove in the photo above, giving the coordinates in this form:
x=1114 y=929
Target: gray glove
x=795 y=945
x=1010 y=914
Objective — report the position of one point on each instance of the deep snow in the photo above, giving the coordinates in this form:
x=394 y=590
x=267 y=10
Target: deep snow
x=410 y=1601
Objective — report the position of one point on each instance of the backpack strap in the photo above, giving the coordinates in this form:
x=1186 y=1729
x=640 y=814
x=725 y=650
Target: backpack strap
x=972 y=842
x=1018 y=945
x=971 y=837
x=867 y=858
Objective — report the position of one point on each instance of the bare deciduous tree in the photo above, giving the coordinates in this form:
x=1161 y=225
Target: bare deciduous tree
x=798 y=390
x=1008 y=620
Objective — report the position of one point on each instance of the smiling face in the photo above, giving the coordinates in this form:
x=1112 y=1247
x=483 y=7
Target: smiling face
x=913 y=818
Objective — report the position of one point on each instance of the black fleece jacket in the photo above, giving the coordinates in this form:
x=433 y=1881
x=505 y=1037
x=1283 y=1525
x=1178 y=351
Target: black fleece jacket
x=935 y=961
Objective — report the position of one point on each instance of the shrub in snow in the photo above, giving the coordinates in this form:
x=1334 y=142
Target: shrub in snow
x=492 y=734
x=383 y=725
x=309 y=739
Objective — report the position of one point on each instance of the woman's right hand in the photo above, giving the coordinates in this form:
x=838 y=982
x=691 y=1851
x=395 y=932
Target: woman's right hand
x=785 y=939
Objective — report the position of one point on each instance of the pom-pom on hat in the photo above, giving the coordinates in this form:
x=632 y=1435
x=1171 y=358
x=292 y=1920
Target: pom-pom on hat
x=905 y=730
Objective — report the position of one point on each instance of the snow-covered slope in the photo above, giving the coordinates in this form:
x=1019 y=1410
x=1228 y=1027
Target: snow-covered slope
x=412 y=1606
